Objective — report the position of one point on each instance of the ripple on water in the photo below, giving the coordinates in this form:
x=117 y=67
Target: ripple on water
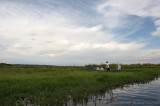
x=138 y=94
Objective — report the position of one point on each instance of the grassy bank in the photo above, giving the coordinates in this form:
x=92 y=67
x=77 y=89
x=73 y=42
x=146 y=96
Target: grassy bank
x=55 y=85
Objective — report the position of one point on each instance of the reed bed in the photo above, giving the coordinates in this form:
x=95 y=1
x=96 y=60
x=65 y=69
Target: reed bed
x=56 y=85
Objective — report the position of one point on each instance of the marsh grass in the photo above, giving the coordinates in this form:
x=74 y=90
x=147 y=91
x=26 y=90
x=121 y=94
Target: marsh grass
x=56 y=85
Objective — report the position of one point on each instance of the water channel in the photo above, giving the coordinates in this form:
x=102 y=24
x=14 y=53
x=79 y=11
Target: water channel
x=147 y=94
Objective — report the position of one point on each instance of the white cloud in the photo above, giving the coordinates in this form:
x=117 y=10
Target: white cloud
x=34 y=30
x=148 y=56
x=48 y=36
x=157 y=23
x=50 y=55
x=116 y=12
x=126 y=7
x=112 y=46
x=157 y=32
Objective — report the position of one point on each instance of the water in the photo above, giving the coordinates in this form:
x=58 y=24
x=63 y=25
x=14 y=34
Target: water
x=136 y=95
x=129 y=95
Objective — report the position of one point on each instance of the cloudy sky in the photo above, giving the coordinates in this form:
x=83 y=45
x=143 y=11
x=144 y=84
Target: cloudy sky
x=79 y=32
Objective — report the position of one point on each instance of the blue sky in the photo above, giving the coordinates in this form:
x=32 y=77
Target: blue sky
x=79 y=32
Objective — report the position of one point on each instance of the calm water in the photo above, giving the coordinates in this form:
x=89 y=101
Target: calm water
x=130 y=95
x=136 y=95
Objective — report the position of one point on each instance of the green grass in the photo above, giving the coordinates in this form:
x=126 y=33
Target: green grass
x=58 y=84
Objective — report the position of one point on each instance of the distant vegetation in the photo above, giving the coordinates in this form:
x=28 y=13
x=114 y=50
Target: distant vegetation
x=56 y=85
x=4 y=64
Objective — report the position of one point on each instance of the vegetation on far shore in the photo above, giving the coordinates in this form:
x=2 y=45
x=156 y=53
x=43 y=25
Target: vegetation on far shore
x=56 y=85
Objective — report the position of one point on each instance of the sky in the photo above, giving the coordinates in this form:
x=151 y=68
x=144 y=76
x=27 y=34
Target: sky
x=79 y=32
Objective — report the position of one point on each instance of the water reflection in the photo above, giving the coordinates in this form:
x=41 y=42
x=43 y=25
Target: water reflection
x=26 y=102
x=137 y=94
x=127 y=95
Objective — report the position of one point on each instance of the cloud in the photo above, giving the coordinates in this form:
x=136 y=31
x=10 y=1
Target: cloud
x=44 y=33
x=157 y=32
x=112 y=46
x=33 y=30
x=118 y=13
x=148 y=56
